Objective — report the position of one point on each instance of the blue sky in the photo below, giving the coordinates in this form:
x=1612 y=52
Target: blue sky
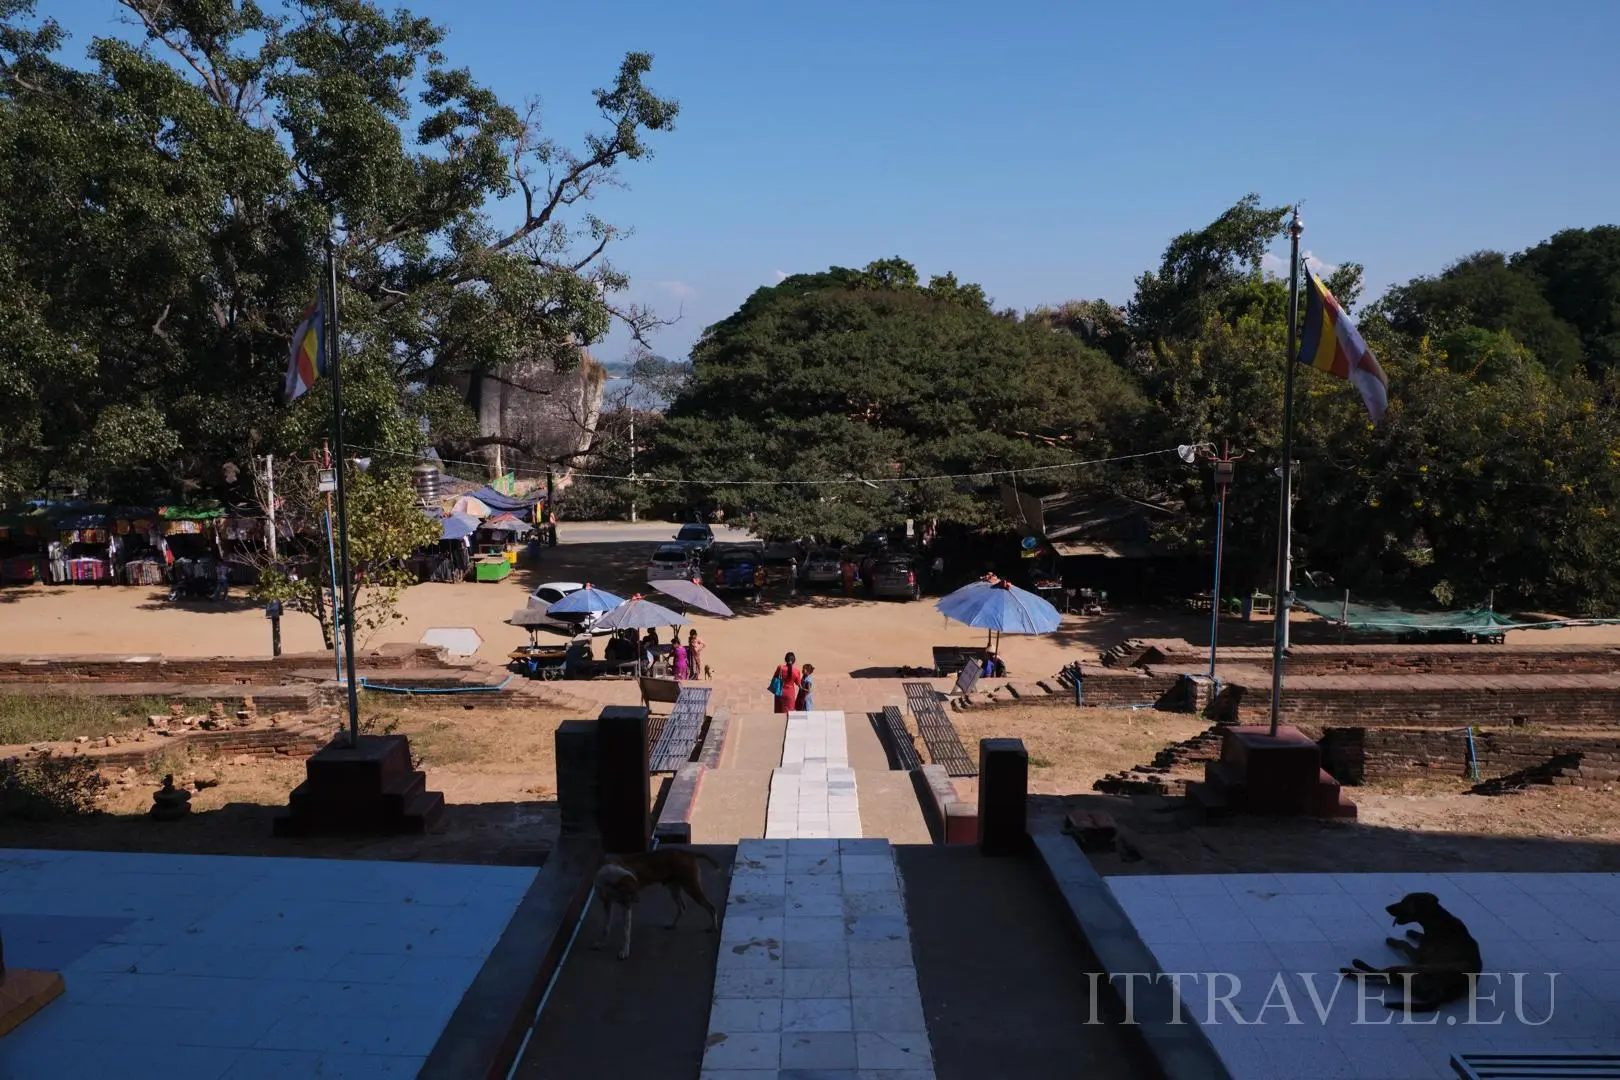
x=1049 y=150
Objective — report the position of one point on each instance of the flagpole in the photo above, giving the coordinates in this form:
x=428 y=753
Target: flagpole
x=1285 y=500
x=335 y=362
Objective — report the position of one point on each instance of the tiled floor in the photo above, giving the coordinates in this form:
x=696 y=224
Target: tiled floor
x=219 y=968
x=815 y=976
x=813 y=792
x=1559 y=932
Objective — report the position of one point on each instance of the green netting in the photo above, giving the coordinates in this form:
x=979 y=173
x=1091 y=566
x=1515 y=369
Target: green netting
x=1387 y=618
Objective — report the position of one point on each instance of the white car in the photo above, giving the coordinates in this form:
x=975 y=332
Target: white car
x=673 y=562
x=545 y=595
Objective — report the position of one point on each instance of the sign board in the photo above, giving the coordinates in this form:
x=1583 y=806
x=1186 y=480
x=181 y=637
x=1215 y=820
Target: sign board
x=327 y=480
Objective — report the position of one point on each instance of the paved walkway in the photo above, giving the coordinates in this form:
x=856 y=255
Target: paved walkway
x=813 y=792
x=815 y=974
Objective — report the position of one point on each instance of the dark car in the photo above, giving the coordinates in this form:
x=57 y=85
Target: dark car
x=894 y=577
x=738 y=570
x=823 y=566
x=695 y=536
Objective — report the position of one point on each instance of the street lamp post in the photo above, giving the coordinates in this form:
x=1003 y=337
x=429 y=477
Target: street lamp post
x=1225 y=469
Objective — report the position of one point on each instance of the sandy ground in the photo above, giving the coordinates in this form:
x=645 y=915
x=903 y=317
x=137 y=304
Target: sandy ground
x=840 y=636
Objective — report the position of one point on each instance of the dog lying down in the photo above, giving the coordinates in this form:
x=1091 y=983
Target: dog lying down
x=1445 y=960
x=622 y=877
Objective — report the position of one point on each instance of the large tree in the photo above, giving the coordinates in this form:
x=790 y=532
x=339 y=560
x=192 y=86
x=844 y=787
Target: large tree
x=834 y=403
x=167 y=206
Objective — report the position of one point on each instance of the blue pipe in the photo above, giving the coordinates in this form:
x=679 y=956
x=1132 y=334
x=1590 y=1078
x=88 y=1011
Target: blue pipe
x=367 y=684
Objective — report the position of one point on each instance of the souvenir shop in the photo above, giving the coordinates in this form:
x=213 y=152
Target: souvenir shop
x=23 y=540
x=191 y=537
x=142 y=553
x=84 y=550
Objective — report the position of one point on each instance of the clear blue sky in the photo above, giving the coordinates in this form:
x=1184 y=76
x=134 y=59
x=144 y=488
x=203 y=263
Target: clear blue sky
x=1049 y=150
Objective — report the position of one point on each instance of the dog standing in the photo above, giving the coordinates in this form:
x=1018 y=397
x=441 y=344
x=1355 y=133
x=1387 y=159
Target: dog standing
x=1445 y=961
x=622 y=877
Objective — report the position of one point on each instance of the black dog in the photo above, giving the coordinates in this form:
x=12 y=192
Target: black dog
x=1445 y=961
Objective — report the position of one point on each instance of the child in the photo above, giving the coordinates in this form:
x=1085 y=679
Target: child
x=682 y=672
x=805 y=680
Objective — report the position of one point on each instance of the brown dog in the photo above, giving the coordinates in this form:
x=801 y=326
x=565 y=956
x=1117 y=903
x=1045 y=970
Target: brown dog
x=1445 y=960
x=622 y=877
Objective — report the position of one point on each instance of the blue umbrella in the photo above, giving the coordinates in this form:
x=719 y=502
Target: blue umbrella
x=584 y=601
x=459 y=526
x=1001 y=608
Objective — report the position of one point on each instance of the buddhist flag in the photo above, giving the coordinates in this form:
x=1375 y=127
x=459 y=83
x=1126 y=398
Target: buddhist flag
x=308 y=358
x=1334 y=345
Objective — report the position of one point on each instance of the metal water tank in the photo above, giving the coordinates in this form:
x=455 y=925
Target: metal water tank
x=425 y=479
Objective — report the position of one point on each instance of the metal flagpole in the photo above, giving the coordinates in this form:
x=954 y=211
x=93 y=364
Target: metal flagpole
x=335 y=362
x=1285 y=501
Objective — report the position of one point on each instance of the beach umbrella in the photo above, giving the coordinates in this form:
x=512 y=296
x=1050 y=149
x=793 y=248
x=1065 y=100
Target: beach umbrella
x=584 y=601
x=999 y=607
x=531 y=619
x=693 y=595
x=458 y=526
x=638 y=614
x=466 y=504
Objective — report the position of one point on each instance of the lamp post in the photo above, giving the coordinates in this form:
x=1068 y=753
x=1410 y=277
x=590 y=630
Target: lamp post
x=1225 y=469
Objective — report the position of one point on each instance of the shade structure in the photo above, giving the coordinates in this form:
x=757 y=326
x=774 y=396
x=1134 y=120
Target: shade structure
x=638 y=614
x=529 y=618
x=693 y=595
x=1000 y=607
x=506 y=523
x=458 y=526
x=471 y=506
x=584 y=601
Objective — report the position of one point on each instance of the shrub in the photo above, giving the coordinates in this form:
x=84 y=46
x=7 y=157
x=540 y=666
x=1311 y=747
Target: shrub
x=49 y=787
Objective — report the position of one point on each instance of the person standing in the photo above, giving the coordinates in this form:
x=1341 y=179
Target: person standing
x=694 y=654
x=785 y=684
x=681 y=659
x=806 y=689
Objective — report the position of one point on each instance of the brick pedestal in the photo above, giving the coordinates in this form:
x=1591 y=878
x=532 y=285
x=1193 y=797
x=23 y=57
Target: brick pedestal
x=1003 y=797
x=624 y=789
x=1277 y=775
x=369 y=789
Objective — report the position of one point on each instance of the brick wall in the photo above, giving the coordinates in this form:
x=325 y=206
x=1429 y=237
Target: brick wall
x=296 y=743
x=1318 y=702
x=1408 y=659
x=217 y=669
x=1356 y=755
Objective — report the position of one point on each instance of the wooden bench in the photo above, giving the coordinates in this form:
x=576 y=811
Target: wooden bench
x=1536 y=1065
x=902 y=746
x=938 y=733
x=680 y=731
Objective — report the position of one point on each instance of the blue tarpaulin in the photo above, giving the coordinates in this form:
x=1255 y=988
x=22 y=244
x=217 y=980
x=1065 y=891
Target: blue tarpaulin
x=459 y=526
x=512 y=504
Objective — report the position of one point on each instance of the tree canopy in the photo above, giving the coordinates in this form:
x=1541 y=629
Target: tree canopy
x=877 y=398
x=167 y=206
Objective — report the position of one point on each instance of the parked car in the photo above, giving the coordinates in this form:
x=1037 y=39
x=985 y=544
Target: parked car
x=740 y=569
x=823 y=566
x=672 y=562
x=545 y=595
x=895 y=578
x=695 y=536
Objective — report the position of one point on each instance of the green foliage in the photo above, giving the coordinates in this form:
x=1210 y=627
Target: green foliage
x=845 y=376
x=385 y=526
x=48 y=788
x=165 y=217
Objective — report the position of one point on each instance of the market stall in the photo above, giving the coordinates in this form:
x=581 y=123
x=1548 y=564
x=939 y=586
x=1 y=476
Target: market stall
x=22 y=548
x=138 y=547
x=84 y=549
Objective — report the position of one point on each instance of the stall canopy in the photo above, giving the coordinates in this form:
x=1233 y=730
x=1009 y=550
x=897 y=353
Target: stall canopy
x=459 y=526
x=512 y=504
x=1389 y=619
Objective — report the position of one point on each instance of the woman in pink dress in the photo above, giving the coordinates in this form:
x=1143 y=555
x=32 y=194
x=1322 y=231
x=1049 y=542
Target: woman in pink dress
x=787 y=678
x=682 y=671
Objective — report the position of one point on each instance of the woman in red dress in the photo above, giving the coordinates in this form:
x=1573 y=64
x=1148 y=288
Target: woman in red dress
x=787 y=678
